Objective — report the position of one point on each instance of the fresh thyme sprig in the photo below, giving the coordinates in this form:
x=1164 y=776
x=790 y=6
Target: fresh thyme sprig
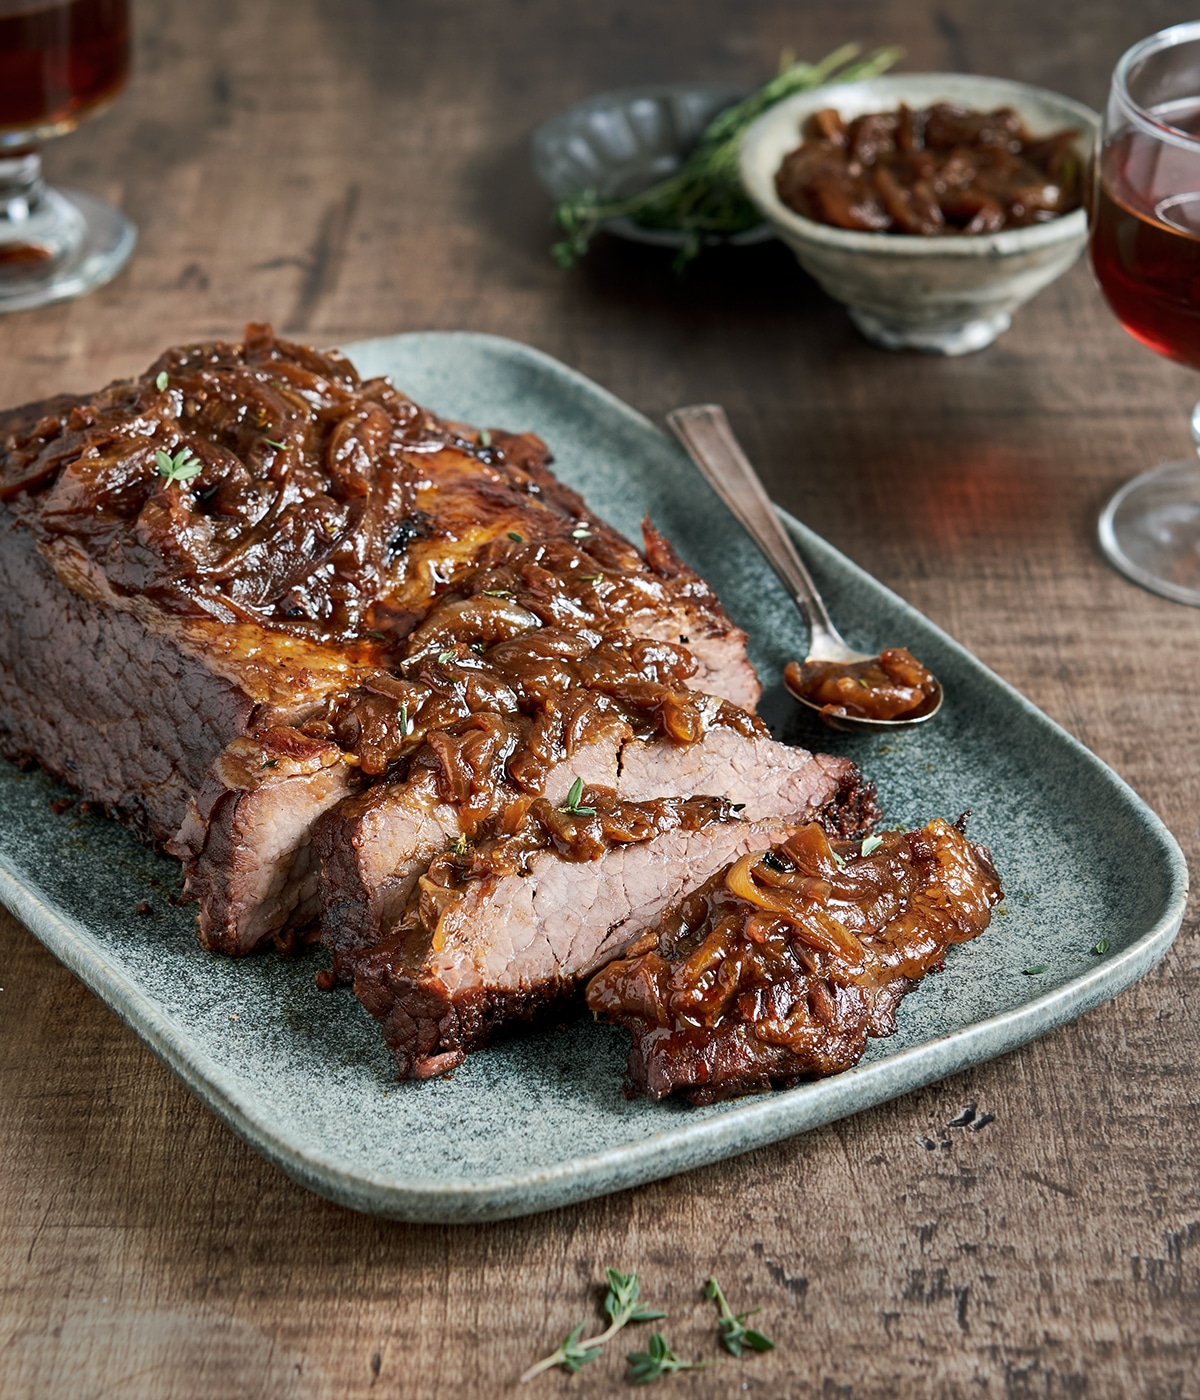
x=705 y=195
x=656 y=1361
x=572 y=806
x=735 y=1336
x=620 y=1307
x=182 y=467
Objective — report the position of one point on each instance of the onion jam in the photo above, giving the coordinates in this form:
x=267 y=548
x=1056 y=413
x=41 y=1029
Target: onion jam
x=940 y=170
x=893 y=685
x=781 y=965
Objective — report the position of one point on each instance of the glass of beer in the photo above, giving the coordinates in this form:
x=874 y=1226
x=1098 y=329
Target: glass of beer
x=1145 y=251
x=61 y=61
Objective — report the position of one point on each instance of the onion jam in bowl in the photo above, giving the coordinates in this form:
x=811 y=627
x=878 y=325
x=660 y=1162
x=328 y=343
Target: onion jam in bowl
x=946 y=292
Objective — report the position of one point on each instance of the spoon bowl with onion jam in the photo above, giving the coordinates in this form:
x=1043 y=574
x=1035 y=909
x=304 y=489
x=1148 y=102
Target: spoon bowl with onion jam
x=850 y=690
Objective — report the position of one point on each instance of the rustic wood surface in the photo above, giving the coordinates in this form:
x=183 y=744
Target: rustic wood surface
x=347 y=168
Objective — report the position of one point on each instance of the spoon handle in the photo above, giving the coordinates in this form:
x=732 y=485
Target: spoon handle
x=704 y=430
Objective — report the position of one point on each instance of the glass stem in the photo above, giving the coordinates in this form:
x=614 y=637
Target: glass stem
x=21 y=188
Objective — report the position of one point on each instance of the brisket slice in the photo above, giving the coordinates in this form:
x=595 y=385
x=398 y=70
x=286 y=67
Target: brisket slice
x=782 y=964
x=374 y=846
x=504 y=947
x=245 y=841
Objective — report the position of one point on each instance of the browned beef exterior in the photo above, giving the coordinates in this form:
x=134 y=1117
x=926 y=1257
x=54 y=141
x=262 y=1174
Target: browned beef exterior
x=124 y=715
x=249 y=538
x=783 y=963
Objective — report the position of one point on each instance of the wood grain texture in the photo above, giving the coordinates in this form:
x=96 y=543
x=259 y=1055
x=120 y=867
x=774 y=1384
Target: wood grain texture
x=348 y=168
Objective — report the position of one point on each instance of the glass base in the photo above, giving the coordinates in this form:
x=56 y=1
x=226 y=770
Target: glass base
x=1150 y=530
x=69 y=243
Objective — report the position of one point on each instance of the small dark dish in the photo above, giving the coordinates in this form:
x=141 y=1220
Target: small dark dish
x=620 y=143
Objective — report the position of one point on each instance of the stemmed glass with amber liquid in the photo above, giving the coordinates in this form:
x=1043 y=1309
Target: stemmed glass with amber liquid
x=1145 y=249
x=61 y=61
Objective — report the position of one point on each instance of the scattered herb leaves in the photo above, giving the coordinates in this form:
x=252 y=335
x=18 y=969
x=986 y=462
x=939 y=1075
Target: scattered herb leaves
x=574 y=809
x=444 y=656
x=581 y=533
x=272 y=443
x=1102 y=947
x=406 y=725
x=512 y=535
x=497 y=592
x=734 y=1335
x=1036 y=970
x=871 y=843
x=839 y=861
x=620 y=1307
x=182 y=467
x=656 y=1361
x=485 y=438
x=160 y=382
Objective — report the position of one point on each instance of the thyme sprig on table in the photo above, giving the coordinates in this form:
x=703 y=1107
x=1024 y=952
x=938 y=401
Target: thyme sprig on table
x=735 y=1335
x=705 y=195
x=656 y=1361
x=621 y=1306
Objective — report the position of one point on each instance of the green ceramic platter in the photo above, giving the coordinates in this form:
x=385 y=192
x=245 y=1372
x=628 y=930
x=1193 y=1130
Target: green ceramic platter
x=540 y=1121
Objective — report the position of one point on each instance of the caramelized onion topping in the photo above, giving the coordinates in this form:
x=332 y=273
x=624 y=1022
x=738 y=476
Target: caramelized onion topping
x=783 y=964
x=894 y=686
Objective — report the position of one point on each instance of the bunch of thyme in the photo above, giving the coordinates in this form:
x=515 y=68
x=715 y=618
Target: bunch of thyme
x=705 y=195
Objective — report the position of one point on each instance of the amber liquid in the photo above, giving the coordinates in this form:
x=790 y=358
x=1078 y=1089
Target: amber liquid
x=59 y=60
x=1145 y=242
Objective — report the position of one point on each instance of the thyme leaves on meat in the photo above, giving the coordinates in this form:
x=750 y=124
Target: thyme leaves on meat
x=1036 y=970
x=512 y=535
x=160 y=381
x=705 y=196
x=621 y=1306
x=735 y=1335
x=271 y=443
x=573 y=809
x=871 y=843
x=1102 y=947
x=182 y=467
x=485 y=438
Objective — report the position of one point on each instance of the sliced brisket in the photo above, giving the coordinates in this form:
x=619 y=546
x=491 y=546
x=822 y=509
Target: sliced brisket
x=783 y=963
x=479 y=948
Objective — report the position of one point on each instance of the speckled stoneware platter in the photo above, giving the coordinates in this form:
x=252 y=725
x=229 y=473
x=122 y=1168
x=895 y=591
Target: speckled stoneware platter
x=541 y=1121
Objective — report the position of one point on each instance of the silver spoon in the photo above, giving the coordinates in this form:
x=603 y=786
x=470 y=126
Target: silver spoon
x=704 y=430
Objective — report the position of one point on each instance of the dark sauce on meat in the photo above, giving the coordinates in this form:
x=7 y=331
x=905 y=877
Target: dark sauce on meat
x=781 y=966
x=467 y=610
x=893 y=686
x=941 y=170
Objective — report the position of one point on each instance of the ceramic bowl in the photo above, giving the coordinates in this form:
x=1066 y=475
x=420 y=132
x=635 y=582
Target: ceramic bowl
x=948 y=294
x=620 y=143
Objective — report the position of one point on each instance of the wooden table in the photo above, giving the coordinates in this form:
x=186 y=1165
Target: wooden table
x=348 y=168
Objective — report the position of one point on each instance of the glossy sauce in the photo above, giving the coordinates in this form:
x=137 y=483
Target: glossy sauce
x=783 y=964
x=893 y=686
x=941 y=170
